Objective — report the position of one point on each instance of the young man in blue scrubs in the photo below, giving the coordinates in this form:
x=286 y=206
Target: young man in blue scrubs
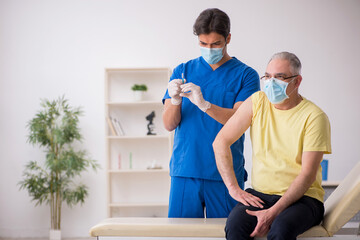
x=202 y=95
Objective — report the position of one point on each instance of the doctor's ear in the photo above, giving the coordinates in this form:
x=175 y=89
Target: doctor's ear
x=228 y=38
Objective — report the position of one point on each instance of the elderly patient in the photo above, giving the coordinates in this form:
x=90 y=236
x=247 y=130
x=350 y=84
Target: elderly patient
x=289 y=136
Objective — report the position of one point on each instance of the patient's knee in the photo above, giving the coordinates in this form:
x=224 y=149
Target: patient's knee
x=239 y=224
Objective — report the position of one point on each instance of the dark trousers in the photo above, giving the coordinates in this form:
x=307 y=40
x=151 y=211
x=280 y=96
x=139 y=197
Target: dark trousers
x=296 y=219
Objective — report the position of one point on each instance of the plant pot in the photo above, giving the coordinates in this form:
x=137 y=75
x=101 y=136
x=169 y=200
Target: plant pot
x=55 y=234
x=138 y=95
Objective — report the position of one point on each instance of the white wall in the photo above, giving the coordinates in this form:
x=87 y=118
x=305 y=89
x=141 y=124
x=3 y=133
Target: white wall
x=50 y=48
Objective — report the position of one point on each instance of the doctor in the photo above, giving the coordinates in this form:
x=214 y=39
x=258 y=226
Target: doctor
x=202 y=95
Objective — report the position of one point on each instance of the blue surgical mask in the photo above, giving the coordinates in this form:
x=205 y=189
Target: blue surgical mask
x=212 y=55
x=275 y=90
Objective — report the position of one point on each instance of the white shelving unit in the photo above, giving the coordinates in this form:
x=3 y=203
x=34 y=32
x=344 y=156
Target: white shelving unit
x=134 y=190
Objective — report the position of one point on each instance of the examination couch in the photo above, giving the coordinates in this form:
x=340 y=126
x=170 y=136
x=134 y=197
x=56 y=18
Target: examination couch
x=340 y=207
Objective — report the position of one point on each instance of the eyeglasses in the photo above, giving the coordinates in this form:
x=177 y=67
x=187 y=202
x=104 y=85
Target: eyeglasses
x=280 y=77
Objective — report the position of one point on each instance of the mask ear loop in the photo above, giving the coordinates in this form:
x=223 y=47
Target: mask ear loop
x=293 y=89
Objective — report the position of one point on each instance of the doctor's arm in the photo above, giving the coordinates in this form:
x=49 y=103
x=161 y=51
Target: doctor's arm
x=232 y=130
x=297 y=189
x=222 y=115
x=172 y=109
x=194 y=94
x=171 y=115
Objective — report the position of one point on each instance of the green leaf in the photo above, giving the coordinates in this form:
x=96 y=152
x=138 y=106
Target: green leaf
x=74 y=196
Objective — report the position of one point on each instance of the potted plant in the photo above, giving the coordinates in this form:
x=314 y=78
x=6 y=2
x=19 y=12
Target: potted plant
x=55 y=129
x=138 y=89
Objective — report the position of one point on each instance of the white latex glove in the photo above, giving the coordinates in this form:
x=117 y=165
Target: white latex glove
x=174 y=91
x=194 y=94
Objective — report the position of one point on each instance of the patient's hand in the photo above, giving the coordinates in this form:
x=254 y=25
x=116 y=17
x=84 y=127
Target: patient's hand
x=265 y=219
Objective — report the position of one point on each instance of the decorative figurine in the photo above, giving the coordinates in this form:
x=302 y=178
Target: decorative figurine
x=150 y=125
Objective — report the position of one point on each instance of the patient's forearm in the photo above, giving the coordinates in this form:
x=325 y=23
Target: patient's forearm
x=309 y=168
x=296 y=190
x=224 y=163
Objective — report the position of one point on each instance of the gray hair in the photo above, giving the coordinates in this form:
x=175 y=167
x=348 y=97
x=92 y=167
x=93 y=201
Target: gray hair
x=294 y=61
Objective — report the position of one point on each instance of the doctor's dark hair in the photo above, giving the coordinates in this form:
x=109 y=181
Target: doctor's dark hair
x=294 y=61
x=212 y=20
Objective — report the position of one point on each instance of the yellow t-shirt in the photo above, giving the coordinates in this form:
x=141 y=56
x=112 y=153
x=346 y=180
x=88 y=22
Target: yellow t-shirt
x=279 y=137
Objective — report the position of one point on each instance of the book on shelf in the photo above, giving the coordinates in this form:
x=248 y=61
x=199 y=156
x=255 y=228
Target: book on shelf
x=111 y=126
x=120 y=127
x=117 y=126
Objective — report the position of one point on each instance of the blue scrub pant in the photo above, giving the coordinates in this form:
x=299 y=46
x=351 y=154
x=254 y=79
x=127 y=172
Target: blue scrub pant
x=190 y=197
x=294 y=220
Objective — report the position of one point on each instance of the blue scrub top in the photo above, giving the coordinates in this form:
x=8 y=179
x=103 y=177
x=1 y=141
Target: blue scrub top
x=193 y=155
